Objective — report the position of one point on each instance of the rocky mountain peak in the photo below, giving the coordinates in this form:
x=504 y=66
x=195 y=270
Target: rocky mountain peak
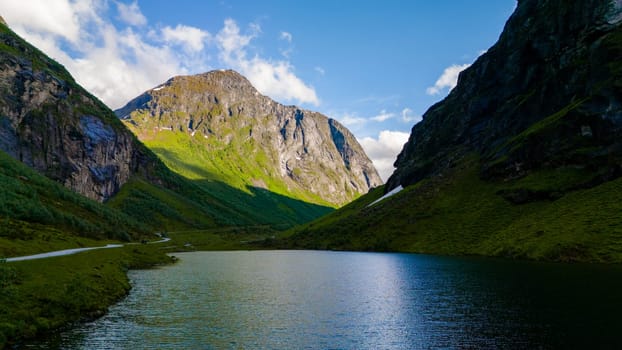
x=299 y=152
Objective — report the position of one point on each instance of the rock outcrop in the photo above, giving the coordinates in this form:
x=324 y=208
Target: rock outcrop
x=311 y=156
x=521 y=160
x=52 y=124
x=547 y=95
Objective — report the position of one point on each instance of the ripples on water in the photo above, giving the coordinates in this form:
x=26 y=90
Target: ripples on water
x=330 y=300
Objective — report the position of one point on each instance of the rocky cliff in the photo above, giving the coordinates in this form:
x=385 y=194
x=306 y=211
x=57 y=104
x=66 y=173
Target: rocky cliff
x=53 y=125
x=545 y=96
x=247 y=139
x=522 y=159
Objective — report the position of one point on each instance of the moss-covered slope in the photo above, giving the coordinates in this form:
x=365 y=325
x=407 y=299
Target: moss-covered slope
x=461 y=214
x=522 y=159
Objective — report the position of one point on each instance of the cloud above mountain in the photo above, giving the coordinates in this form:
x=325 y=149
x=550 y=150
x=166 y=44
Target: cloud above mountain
x=448 y=80
x=383 y=150
x=113 y=51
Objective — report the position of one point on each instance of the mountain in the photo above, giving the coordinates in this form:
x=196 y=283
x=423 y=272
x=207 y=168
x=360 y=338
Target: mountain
x=53 y=125
x=522 y=159
x=38 y=214
x=217 y=127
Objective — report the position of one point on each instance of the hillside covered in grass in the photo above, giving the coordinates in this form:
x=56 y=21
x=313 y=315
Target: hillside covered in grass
x=52 y=125
x=461 y=214
x=38 y=214
x=522 y=159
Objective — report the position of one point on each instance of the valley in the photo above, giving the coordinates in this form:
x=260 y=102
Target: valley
x=516 y=173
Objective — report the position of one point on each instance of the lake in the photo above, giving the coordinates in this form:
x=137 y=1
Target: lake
x=344 y=300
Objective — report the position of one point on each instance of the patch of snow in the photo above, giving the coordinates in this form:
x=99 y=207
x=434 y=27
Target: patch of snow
x=391 y=193
x=159 y=88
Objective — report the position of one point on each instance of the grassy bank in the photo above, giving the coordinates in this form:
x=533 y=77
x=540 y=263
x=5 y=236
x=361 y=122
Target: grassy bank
x=225 y=238
x=39 y=296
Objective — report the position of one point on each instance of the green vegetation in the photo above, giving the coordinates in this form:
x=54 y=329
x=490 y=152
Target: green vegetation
x=38 y=214
x=39 y=296
x=219 y=183
x=237 y=161
x=224 y=238
x=461 y=214
x=11 y=43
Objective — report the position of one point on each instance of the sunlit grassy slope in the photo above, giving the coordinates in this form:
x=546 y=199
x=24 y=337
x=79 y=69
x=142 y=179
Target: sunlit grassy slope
x=227 y=175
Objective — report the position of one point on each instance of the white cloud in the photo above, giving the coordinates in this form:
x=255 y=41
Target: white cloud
x=409 y=117
x=448 y=80
x=351 y=120
x=383 y=151
x=116 y=64
x=286 y=36
x=131 y=14
x=320 y=70
x=55 y=18
x=273 y=78
x=191 y=38
x=232 y=42
x=383 y=116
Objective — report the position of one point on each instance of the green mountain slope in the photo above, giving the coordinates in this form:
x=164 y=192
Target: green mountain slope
x=461 y=214
x=38 y=214
x=217 y=127
x=51 y=124
x=522 y=159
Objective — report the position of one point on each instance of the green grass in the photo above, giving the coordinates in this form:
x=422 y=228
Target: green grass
x=155 y=204
x=221 y=179
x=461 y=214
x=224 y=238
x=239 y=163
x=34 y=208
x=39 y=296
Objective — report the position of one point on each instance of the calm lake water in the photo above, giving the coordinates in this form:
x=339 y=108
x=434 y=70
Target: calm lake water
x=340 y=300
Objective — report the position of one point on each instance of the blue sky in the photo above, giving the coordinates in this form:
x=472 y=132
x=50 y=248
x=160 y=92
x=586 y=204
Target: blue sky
x=376 y=66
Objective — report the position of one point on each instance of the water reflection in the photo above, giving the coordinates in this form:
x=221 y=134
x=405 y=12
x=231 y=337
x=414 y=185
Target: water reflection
x=321 y=300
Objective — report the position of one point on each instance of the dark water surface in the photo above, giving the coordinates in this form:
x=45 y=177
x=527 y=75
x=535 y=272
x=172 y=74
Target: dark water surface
x=340 y=300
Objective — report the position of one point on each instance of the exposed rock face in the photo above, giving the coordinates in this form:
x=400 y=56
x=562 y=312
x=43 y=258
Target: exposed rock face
x=547 y=95
x=301 y=150
x=53 y=125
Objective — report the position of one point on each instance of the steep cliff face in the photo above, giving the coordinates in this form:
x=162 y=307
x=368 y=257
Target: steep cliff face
x=522 y=159
x=53 y=125
x=546 y=96
x=247 y=139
